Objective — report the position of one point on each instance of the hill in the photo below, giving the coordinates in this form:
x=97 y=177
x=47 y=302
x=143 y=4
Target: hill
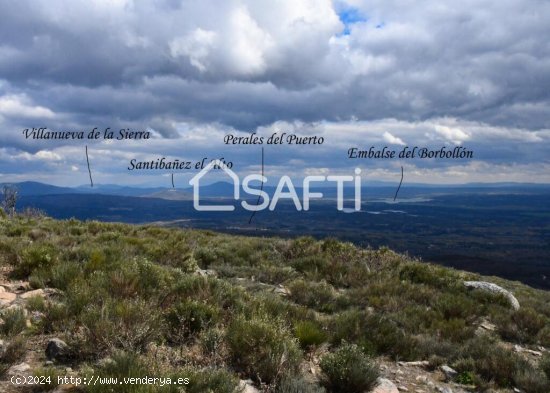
x=97 y=300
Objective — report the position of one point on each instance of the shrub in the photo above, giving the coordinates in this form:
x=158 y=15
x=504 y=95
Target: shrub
x=262 y=348
x=36 y=256
x=50 y=379
x=319 y=296
x=295 y=384
x=531 y=380
x=123 y=365
x=455 y=306
x=523 y=325
x=36 y=303
x=14 y=322
x=309 y=334
x=544 y=365
x=211 y=341
x=128 y=324
x=348 y=370
x=13 y=353
x=455 y=330
x=491 y=361
x=190 y=317
x=422 y=273
x=211 y=380
x=375 y=334
x=544 y=336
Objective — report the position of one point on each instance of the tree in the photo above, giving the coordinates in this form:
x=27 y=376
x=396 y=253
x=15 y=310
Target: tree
x=10 y=198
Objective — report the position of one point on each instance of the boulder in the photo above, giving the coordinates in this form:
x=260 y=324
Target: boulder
x=494 y=288
x=281 y=290
x=385 y=386
x=450 y=373
x=19 y=369
x=246 y=386
x=7 y=297
x=36 y=292
x=56 y=349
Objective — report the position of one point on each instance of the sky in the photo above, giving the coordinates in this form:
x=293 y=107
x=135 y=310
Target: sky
x=359 y=73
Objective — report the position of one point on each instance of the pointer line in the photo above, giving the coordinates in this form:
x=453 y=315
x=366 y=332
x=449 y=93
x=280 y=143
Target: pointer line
x=89 y=170
x=399 y=185
x=261 y=189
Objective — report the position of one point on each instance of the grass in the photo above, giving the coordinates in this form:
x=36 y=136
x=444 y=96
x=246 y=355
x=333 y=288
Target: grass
x=130 y=294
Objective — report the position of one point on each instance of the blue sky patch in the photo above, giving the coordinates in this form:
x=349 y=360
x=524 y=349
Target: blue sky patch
x=350 y=16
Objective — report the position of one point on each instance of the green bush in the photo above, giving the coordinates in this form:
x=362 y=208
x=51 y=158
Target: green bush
x=309 y=334
x=126 y=324
x=211 y=380
x=36 y=256
x=319 y=296
x=190 y=317
x=374 y=333
x=295 y=384
x=423 y=273
x=262 y=348
x=123 y=365
x=211 y=341
x=348 y=370
x=14 y=322
x=522 y=325
x=531 y=380
x=491 y=361
x=36 y=303
x=13 y=353
x=544 y=365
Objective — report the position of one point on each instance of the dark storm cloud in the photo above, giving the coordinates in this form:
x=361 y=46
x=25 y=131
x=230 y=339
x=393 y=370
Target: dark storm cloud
x=469 y=72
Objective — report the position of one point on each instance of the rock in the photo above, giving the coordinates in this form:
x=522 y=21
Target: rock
x=206 y=272
x=419 y=363
x=280 y=290
x=494 y=288
x=385 y=386
x=421 y=378
x=7 y=297
x=246 y=386
x=517 y=348
x=488 y=326
x=402 y=388
x=56 y=349
x=36 y=292
x=2 y=289
x=444 y=389
x=19 y=369
x=450 y=373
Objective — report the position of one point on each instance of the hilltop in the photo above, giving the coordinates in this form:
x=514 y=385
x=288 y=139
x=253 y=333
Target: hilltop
x=91 y=299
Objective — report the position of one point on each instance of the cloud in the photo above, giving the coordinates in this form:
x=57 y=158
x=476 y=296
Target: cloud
x=18 y=105
x=356 y=71
x=392 y=139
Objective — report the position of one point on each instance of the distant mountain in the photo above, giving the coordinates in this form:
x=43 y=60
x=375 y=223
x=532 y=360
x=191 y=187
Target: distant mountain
x=171 y=195
x=28 y=188
x=370 y=189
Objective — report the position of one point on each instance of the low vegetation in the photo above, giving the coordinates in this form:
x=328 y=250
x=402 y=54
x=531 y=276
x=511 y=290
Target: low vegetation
x=214 y=308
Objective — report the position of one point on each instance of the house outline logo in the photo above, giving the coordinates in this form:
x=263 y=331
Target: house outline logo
x=284 y=181
x=195 y=182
